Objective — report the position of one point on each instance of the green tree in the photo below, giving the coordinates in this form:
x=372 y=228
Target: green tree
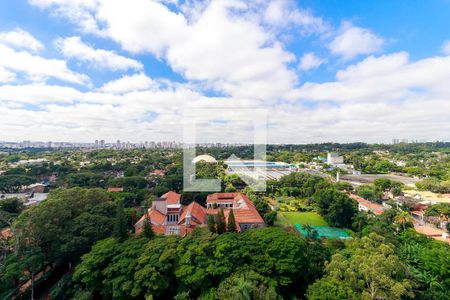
x=13 y=183
x=231 y=227
x=220 y=223
x=11 y=205
x=211 y=224
x=372 y=271
x=120 y=224
x=404 y=219
x=336 y=207
x=67 y=223
x=270 y=217
x=148 y=231
x=246 y=286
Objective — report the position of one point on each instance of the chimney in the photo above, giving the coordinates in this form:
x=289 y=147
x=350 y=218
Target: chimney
x=188 y=219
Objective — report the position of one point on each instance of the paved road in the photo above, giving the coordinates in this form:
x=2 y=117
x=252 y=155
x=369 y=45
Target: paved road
x=370 y=178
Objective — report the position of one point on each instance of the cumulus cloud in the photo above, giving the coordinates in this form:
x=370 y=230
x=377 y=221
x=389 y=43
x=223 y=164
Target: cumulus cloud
x=387 y=78
x=237 y=48
x=20 y=39
x=73 y=47
x=224 y=45
x=310 y=61
x=126 y=83
x=353 y=41
x=38 y=68
x=284 y=13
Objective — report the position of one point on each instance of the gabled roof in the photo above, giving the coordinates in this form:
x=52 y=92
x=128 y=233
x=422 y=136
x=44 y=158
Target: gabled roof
x=248 y=213
x=373 y=207
x=198 y=213
x=244 y=211
x=156 y=216
x=171 y=197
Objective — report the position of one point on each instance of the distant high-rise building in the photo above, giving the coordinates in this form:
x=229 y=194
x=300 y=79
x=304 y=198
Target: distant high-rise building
x=395 y=141
x=102 y=144
x=96 y=144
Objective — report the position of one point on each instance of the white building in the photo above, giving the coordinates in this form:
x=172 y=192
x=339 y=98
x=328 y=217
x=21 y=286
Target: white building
x=334 y=159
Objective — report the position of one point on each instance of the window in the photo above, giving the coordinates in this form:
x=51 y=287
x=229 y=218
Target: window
x=173 y=230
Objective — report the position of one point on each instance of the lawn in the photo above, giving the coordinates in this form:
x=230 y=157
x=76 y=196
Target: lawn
x=301 y=218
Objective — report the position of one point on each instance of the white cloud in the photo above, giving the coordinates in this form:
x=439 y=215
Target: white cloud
x=237 y=48
x=284 y=13
x=73 y=47
x=224 y=46
x=353 y=41
x=136 y=82
x=38 y=68
x=18 y=38
x=6 y=76
x=79 y=12
x=310 y=61
x=446 y=48
x=385 y=78
x=141 y=26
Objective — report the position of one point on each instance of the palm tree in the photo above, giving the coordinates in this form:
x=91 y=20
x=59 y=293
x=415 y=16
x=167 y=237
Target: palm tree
x=403 y=219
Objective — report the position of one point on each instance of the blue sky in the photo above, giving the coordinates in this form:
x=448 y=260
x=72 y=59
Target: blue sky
x=324 y=70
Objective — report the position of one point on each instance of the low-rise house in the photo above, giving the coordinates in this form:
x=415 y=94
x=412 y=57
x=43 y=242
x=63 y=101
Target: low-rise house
x=366 y=205
x=158 y=172
x=35 y=188
x=114 y=189
x=432 y=232
x=168 y=216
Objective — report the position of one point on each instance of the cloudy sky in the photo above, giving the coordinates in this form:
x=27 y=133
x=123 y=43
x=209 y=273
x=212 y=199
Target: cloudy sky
x=323 y=70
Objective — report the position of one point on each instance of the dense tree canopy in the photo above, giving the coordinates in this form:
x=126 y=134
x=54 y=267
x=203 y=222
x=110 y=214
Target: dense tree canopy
x=366 y=269
x=266 y=260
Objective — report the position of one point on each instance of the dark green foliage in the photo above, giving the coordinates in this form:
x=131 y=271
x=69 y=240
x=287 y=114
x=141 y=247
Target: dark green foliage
x=336 y=207
x=259 y=262
x=85 y=179
x=13 y=183
x=231 y=226
x=370 y=193
x=428 y=260
x=211 y=224
x=12 y=205
x=270 y=217
x=148 y=231
x=120 y=224
x=67 y=223
x=298 y=184
x=366 y=269
x=246 y=285
x=434 y=185
x=221 y=226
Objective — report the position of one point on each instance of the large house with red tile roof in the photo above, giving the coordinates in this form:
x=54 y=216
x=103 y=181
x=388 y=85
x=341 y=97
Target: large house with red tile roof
x=245 y=213
x=169 y=217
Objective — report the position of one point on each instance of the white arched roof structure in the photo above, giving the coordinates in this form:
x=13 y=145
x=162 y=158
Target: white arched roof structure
x=205 y=158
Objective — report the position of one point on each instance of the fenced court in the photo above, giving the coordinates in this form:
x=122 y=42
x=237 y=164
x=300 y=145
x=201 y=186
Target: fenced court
x=324 y=232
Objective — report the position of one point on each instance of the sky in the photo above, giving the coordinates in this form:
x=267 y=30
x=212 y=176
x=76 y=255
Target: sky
x=296 y=71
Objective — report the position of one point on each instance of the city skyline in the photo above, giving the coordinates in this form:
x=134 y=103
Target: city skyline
x=324 y=70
